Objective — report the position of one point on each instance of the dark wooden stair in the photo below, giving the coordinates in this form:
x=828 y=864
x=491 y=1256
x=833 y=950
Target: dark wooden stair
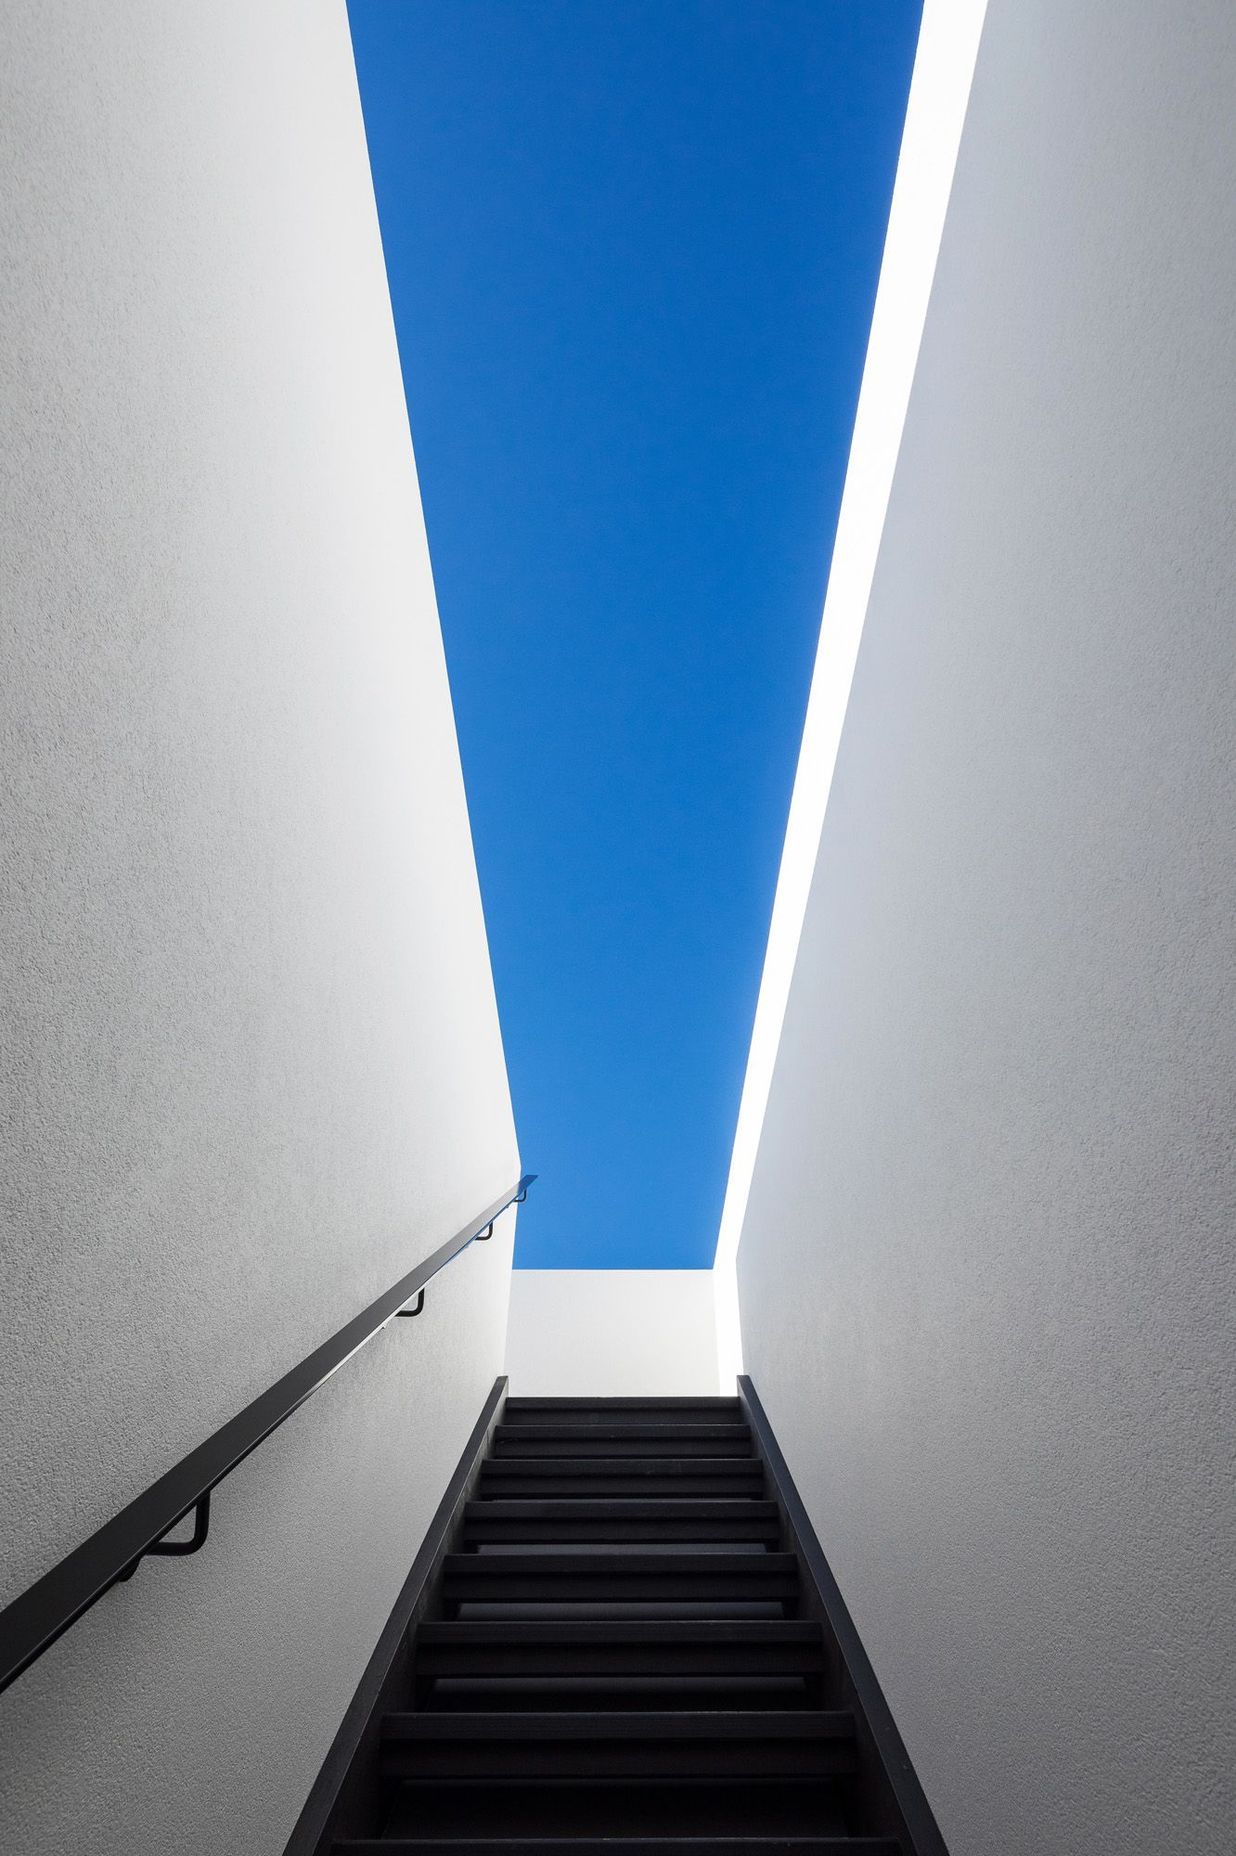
x=619 y=1649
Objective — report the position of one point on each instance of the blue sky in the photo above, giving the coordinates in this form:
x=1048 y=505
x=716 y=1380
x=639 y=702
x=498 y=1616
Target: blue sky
x=633 y=250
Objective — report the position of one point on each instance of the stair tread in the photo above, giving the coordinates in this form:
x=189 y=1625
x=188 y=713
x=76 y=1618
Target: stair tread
x=628 y=1647
x=633 y=1428
x=604 y=1577
x=570 y=1749
x=607 y=1440
x=617 y=1563
x=612 y=1476
x=658 y=1465
x=620 y=1630
x=601 y=1517
x=579 y=1691
x=585 y=1439
x=556 y=1475
x=659 y=1725
x=709 y=1402
x=697 y=1806
x=571 y=1507
x=619 y=1846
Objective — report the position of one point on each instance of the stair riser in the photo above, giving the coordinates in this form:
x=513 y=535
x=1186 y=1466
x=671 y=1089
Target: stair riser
x=599 y=1809
x=566 y=1577
x=536 y=1763
x=618 y=1660
x=628 y=1427
x=629 y=1846
x=482 y=1531
x=519 y=1481
x=608 y=1412
x=618 y=1508
x=638 y=1588
x=529 y=1443
x=584 y=1694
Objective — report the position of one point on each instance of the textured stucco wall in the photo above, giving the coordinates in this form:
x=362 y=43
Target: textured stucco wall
x=612 y=1334
x=986 y=1270
x=251 y=1068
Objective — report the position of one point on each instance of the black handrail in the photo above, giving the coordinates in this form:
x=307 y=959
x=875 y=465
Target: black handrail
x=32 y=1623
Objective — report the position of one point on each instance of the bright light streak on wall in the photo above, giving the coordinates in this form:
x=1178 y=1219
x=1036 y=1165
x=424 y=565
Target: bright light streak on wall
x=939 y=91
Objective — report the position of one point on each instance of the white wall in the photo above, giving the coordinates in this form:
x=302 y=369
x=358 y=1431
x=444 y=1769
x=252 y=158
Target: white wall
x=985 y=1270
x=612 y=1334
x=251 y=1066
x=948 y=42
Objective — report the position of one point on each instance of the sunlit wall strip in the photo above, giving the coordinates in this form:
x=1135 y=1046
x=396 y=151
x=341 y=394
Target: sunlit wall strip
x=939 y=92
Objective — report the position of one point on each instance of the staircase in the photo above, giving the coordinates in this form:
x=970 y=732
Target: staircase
x=621 y=1649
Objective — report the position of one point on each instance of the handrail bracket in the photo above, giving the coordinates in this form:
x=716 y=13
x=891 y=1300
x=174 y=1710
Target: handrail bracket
x=176 y=1549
